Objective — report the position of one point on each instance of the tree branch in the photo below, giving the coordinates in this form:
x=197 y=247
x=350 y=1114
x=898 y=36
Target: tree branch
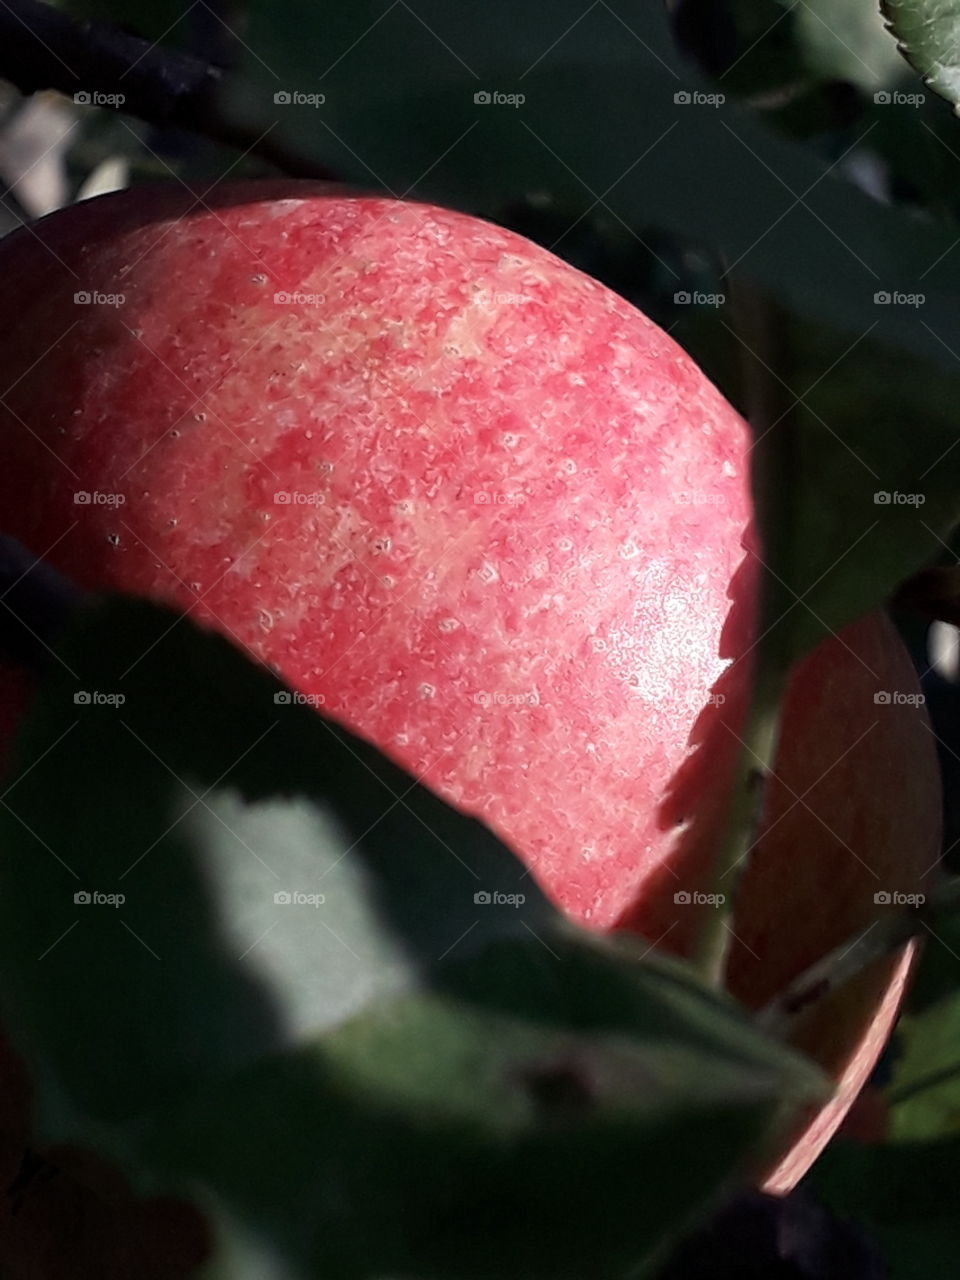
x=41 y=48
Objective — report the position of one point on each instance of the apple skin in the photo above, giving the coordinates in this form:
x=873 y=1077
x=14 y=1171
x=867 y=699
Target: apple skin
x=515 y=555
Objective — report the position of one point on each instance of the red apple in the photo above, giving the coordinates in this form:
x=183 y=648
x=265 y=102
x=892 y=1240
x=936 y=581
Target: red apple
x=495 y=520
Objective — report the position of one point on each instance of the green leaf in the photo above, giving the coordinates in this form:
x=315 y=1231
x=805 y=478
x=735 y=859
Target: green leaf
x=867 y=453
x=905 y=1195
x=399 y=1080
x=924 y=1089
x=538 y=1102
x=846 y=40
x=198 y=799
x=924 y=1092
x=928 y=35
x=938 y=974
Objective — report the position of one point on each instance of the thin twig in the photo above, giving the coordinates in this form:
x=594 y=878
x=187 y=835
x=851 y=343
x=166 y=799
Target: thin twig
x=910 y=1089
x=881 y=939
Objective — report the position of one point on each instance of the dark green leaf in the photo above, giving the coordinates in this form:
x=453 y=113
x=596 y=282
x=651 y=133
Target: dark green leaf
x=938 y=975
x=924 y=1092
x=846 y=40
x=904 y=1194
x=399 y=1080
x=545 y=1115
x=198 y=799
x=928 y=35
